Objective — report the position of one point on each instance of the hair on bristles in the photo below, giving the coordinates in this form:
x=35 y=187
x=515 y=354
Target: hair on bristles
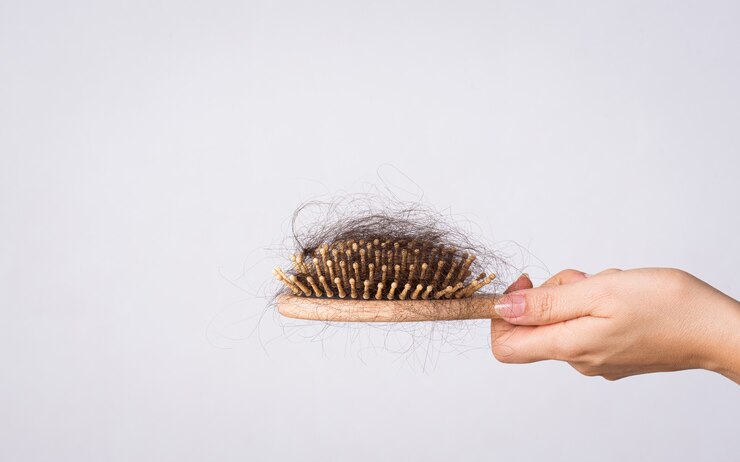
x=450 y=278
x=389 y=254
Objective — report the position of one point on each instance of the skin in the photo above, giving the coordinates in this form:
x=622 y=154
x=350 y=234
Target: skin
x=620 y=323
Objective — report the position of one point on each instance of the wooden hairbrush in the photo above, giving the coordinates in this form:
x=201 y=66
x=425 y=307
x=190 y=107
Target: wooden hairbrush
x=384 y=281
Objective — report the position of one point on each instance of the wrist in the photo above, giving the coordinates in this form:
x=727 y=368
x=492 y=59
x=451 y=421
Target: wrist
x=722 y=347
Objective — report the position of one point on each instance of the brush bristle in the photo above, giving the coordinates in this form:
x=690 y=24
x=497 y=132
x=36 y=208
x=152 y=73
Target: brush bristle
x=382 y=270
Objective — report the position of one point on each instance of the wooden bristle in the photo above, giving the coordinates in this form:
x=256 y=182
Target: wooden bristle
x=379 y=293
x=294 y=279
x=280 y=276
x=469 y=259
x=410 y=276
x=300 y=265
x=392 y=291
x=340 y=288
x=330 y=270
x=356 y=270
x=317 y=267
x=343 y=270
x=457 y=287
x=366 y=293
x=327 y=288
x=485 y=282
x=424 y=267
x=450 y=272
x=323 y=251
x=383 y=269
x=443 y=292
x=353 y=291
x=404 y=292
x=316 y=290
x=415 y=262
x=440 y=264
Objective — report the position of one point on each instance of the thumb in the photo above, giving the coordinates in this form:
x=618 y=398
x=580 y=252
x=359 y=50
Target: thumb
x=545 y=305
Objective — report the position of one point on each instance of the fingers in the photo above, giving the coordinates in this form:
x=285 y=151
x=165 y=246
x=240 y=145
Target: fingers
x=565 y=277
x=523 y=282
x=536 y=322
x=571 y=341
x=546 y=304
x=608 y=271
x=501 y=331
x=549 y=322
x=504 y=348
x=526 y=344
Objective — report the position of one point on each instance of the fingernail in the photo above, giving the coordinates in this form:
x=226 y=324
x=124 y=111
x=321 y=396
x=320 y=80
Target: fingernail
x=510 y=306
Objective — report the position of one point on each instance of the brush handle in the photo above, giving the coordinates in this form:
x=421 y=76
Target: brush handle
x=357 y=310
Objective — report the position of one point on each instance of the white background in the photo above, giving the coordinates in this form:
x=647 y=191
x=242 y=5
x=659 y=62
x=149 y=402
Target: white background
x=151 y=150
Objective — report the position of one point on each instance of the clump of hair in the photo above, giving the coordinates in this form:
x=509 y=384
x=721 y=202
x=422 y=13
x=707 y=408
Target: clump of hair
x=360 y=249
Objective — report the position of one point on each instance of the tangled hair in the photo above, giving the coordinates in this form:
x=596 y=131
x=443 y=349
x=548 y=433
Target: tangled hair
x=425 y=248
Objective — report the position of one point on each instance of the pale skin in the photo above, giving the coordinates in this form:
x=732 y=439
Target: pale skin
x=618 y=323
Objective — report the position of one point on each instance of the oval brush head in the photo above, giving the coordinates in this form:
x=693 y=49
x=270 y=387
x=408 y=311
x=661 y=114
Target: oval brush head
x=383 y=280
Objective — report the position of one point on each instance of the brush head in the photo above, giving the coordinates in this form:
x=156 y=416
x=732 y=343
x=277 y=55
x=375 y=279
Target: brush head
x=348 y=310
x=382 y=269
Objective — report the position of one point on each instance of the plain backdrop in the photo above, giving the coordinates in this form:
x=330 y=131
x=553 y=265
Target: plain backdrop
x=151 y=154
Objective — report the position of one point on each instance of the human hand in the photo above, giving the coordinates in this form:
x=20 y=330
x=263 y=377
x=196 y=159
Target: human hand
x=620 y=323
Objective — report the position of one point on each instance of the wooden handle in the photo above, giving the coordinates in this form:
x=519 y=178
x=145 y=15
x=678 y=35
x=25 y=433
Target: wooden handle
x=355 y=310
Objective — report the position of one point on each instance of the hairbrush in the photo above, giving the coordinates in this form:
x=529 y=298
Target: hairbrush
x=377 y=280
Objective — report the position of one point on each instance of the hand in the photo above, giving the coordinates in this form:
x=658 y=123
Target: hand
x=620 y=323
